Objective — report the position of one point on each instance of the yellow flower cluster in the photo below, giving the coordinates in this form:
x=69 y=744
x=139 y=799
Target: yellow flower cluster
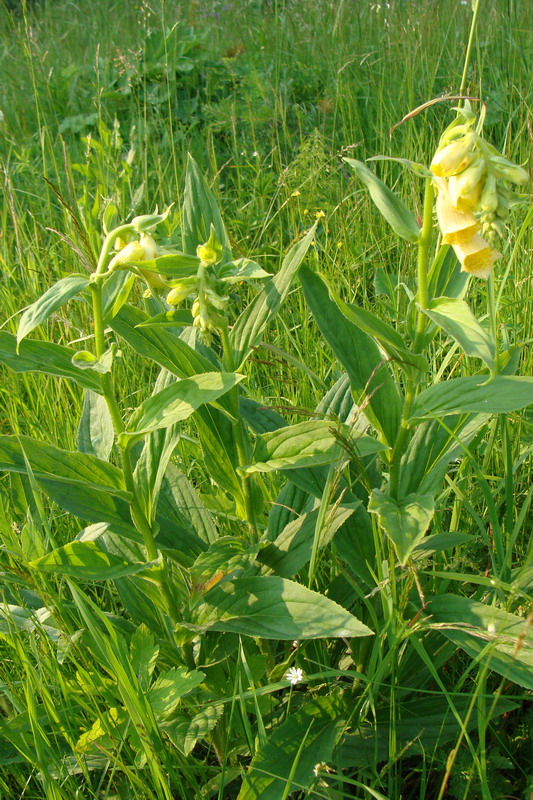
x=471 y=202
x=145 y=249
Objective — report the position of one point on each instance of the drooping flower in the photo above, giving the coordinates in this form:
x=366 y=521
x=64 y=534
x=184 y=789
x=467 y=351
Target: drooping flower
x=456 y=226
x=465 y=189
x=453 y=158
x=477 y=257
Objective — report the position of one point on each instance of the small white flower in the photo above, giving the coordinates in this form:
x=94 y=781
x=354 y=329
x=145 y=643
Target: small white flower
x=294 y=675
x=491 y=628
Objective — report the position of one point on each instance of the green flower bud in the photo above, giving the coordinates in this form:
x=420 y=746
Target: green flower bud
x=129 y=254
x=180 y=291
x=489 y=196
x=508 y=171
x=149 y=222
x=211 y=251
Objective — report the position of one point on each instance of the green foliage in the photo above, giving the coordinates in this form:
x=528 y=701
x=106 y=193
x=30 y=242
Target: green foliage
x=312 y=578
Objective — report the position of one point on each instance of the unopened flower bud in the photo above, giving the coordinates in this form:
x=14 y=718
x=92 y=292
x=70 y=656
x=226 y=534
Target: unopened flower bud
x=148 y=222
x=129 y=254
x=210 y=252
x=151 y=250
x=207 y=254
x=508 y=171
x=489 y=196
x=181 y=291
x=454 y=158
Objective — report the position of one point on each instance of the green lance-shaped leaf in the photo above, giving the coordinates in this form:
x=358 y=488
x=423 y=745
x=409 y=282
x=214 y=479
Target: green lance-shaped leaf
x=50 y=301
x=404 y=521
x=389 y=339
x=456 y=318
x=504 y=641
x=49 y=462
x=370 y=379
x=293 y=547
x=274 y=608
x=96 y=433
x=48 y=358
x=176 y=402
x=432 y=448
x=185 y=733
x=200 y=211
x=473 y=394
x=86 y=561
x=83 y=485
x=172 y=265
x=307 y=738
x=426 y=723
x=307 y=444
x=248 y=329
x=178 y=318
x=242 y=269
x=159 y=345
x=391 y=207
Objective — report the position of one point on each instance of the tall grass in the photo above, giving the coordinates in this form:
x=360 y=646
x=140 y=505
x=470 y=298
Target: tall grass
x=101 y=103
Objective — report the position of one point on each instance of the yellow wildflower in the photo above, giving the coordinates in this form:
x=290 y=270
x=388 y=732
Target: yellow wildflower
x=454 y=158
x=477 y=257
x=456 y=226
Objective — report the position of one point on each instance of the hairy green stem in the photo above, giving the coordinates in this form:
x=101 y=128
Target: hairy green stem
x=137 y=513
x=241 y=437
x=424 y=241
x=109 y=241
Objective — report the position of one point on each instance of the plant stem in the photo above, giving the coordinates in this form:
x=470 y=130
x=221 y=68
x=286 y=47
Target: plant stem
x=139 y=518
x=424 y=241
x=493 y=319
x=241 y=437
x=469 y=46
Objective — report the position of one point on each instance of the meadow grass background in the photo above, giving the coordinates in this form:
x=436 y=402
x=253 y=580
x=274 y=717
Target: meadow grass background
x=102 y=101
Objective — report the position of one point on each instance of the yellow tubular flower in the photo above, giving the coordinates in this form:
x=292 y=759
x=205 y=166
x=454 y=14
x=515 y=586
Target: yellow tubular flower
x=476 y=256
x=454 y=158
x=129 y=254
x=465 y=189
x=151 y=251
x=456 y=226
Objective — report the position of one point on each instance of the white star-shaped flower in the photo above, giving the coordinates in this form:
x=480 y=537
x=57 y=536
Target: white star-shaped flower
x=294 y=675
